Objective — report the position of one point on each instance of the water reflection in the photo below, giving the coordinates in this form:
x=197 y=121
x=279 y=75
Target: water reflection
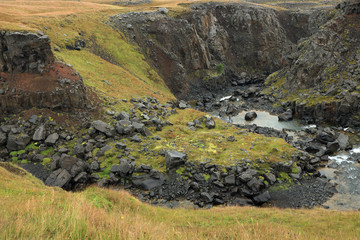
x=264 y=119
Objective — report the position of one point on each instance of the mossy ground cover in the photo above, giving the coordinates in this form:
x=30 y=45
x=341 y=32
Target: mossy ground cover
x=202 y=145
x=30 y=209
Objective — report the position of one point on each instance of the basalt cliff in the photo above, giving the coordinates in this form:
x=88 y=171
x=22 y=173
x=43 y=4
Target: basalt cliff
x=30 y=76
x=312 y=55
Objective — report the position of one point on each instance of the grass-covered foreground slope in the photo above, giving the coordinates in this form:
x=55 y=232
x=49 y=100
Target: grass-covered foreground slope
x=30 y=210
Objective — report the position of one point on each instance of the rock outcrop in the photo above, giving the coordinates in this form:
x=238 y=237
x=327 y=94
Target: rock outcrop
x=30 y=77
x=216 y=44
x=321 y=82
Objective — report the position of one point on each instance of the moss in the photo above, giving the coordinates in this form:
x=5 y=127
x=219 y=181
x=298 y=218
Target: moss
x=17 y=153
x=47 y=151
x=181 y=170
x=46 y=161
x=295 y=169
x=220 y=68
x=206 y=177
x=284 y=177
x=15 y=159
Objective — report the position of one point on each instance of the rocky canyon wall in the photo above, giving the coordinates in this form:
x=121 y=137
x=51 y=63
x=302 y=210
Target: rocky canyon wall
x=215 y=44
x=322 y=81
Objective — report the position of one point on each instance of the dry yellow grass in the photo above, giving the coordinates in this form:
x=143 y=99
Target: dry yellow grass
x=30 y=210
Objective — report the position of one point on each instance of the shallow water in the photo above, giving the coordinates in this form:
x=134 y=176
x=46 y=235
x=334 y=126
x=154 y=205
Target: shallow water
x=347 y=178
x=265 y=119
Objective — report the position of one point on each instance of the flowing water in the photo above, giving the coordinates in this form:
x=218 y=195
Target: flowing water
x=344 y=170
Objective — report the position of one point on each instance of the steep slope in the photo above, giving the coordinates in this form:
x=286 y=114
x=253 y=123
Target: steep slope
x=216 y=44
x=321 y=83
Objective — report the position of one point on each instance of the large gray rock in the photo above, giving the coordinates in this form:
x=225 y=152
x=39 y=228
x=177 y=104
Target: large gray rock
x=343 y=141
x=248 y=175
x=206 y=197
x=286 y=116
x=325 y=137
x=148 y=181
x=123 y=169
x=262 y=198
x=39 y=134
x=123 y=116
x=210 y=122
x=67 y=162
x=138 y=126
x=17 y=141
x=124 y=127
x=332 y=147
x=103 y=127
x=163 y=10
x=271 y=178
x=79 y=150
x=230 y=179
x=58 y=178
x=255 y=184
x=52 y=139
x=174 y=159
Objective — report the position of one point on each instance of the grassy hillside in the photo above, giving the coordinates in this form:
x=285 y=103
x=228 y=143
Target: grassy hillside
x=31 y=210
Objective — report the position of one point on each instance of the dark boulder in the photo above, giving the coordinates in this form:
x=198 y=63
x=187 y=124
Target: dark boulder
x=123 y=169
x=286 y=116
x=67 y=161
x=325 y=137
x=17 y=141
x=123 y=116
x=250 y=116
x=206 y=197
x=52 y=139
x=3 y=138
x=148 y=181
x=230 y=179
x=174 y=159
x=103 y=127
x=248 y=175
x=262 y=198
x=58 y=178
x=332 y=147
x=124 y=127
x=79 y=150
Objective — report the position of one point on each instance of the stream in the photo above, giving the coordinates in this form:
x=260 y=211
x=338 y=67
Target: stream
x=343 y=169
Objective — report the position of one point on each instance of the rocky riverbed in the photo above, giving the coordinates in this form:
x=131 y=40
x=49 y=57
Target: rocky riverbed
x=39 y=145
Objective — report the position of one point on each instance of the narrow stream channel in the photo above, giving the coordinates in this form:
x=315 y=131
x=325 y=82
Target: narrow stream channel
x=343 y=169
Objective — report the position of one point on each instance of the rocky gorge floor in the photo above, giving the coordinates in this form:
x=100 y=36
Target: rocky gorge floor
x=104 y=153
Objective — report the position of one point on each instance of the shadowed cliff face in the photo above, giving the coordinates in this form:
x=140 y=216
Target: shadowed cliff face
x=209 y=47
x=29 y=76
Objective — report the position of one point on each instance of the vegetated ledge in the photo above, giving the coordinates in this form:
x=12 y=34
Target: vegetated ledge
x=30 y=76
